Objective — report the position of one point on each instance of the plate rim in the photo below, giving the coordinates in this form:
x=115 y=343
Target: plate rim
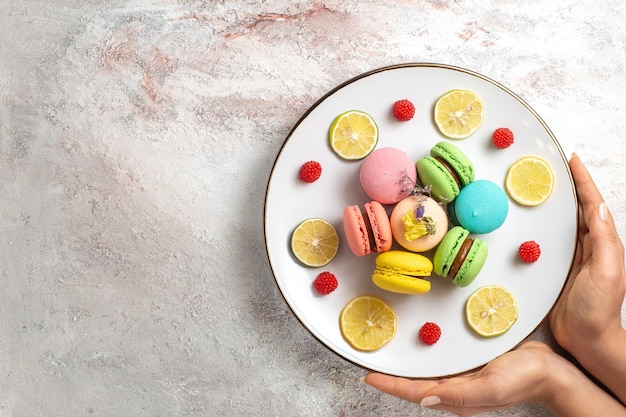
x=391 y=67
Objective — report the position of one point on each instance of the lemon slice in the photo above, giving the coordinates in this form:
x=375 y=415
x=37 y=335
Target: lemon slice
x=367 y=323
x=315 y=242
x=458 y=114
x=491 y=310
x=529 y=181
x=353 y=135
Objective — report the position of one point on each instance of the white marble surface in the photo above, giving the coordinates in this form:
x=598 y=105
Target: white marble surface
x=136 y=139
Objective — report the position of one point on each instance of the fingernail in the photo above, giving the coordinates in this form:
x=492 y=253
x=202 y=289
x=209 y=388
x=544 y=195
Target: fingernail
x=430 y=401
x=603 y=212
x=362 y=379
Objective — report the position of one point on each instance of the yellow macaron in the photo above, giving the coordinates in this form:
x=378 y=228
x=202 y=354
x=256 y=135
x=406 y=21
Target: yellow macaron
x=402 y=272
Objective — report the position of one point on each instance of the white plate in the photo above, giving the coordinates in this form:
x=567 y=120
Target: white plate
x=553 y=224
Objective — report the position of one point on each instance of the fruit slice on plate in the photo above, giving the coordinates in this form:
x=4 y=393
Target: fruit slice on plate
x=491 y=310
x=458 y=114
x=529 y=181
x=315 y=242
x=353 y=135
x=367 y=323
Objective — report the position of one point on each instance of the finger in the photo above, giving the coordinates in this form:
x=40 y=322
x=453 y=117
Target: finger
x=582 y=227
x=534 y=345
x=607 y=247
x=399 y=387
x=585 y=187
x=465 y=392
x=576 y=266
x=589 y=196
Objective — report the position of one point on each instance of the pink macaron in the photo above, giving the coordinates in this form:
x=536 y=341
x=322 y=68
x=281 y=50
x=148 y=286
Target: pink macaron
x=388 y=175
x=367 y=231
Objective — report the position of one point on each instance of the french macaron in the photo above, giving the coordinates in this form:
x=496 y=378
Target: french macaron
x=368 y=230
x=388 y=175
x=402 y=272
x=481 y=207
x=459 y=257
x=418 y=223
x=446 y=171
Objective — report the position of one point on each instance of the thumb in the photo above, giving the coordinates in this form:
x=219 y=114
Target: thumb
x=460 y=393
x=606 y=244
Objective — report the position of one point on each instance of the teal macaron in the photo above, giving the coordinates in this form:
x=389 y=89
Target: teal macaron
x=446 y=170
x=460 y=257
x=481 y=207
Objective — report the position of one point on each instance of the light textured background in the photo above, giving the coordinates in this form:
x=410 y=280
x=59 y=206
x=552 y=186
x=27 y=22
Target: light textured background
x=136 y=139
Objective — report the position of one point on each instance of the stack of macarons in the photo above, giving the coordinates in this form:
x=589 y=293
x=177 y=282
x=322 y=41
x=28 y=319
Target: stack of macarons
x=435 y=205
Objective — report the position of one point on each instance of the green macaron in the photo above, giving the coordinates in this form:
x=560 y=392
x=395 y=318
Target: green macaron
x=460 y=257
x=446 y=171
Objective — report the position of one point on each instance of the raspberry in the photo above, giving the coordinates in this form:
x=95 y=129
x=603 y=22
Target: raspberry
x=403 y=110
x=529 y=251
x=502 y=137
x=430 y=333
x=325 y=283
x=310 y=171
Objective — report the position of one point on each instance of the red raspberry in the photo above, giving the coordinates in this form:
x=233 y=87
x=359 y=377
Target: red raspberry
x=325 y=283
x=502 y=137
x=310 y=171
x=403 y=110
x=430 y=333
x=529 y=251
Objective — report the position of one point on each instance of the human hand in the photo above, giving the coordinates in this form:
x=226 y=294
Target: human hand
x=532 y=373
x=588 y=311
x=520 y=376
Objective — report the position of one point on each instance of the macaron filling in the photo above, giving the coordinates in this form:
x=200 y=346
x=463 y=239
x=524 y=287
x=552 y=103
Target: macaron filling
x=369 y=230
x=450 y=170
x=454 y=157
x=403 y=275
x=460 y=257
